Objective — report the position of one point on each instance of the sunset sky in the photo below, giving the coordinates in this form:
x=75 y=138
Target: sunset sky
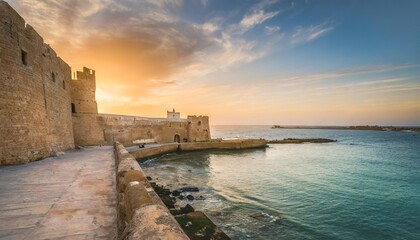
x=306 y=62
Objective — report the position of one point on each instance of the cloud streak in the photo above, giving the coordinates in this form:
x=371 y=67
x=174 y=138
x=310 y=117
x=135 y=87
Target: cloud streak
x=256 y=17
x=311 y=33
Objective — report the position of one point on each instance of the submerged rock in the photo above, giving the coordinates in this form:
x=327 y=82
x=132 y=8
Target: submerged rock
x=187 y=209
x=198 y=226
x=176 y=193
x=190 y=197
x=200 y=198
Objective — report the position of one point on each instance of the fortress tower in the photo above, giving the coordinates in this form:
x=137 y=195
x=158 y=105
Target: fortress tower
x=198 y=128
x=83 y=91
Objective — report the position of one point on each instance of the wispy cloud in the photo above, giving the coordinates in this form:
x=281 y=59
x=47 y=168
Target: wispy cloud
x=302 y=79
x=271 y=29
x=255 y=18
x=364 y=83
x=307 y=34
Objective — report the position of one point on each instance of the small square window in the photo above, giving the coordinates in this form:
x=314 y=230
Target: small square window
x=24 y=56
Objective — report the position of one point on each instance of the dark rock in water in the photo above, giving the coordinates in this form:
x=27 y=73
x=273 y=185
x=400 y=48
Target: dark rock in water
x=176 y=193
x=190 y=197
x=200 y=198
x=175 y=211
x=164 y=195
x=189 y=170
x=189 y=189
x=181 y=197
x=149 y=178
x=187 y=209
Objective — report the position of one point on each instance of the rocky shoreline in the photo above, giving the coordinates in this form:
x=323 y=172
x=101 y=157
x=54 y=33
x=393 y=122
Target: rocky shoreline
x=194 y=223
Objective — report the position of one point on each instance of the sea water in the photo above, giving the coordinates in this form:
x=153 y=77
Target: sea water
x=364 y=186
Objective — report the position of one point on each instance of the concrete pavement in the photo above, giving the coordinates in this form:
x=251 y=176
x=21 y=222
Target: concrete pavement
x=71 y=196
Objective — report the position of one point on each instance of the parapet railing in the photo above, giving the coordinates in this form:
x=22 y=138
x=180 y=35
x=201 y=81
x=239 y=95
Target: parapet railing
x=140 y=212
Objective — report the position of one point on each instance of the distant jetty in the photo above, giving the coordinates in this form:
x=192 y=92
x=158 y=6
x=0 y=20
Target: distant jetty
x=365 y=127
x=301 y=140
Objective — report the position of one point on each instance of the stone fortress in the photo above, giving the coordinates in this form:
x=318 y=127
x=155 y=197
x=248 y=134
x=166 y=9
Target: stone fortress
x=43 y=111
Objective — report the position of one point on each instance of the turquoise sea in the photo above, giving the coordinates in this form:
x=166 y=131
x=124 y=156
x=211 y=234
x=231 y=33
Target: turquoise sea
x=365 y=186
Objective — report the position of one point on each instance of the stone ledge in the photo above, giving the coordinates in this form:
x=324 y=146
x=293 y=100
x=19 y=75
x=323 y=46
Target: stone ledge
x=141 y=214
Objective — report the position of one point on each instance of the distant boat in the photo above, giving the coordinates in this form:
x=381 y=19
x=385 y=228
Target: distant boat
x=277 y=126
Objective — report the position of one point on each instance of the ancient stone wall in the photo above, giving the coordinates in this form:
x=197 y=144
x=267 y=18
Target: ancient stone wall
x=198 y=128
x=100 y=129
x=104 y=129
x=35 y=109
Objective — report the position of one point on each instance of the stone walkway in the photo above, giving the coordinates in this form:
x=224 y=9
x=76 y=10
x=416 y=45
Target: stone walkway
x=67 y=197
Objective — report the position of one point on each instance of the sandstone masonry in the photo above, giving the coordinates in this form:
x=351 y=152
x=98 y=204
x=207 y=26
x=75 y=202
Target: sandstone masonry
x=43 y=111
x=35 y=116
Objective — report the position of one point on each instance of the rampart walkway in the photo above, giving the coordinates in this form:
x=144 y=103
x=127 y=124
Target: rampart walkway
x=71 y=196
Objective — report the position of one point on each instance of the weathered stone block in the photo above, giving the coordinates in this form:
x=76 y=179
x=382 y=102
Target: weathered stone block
x=154 y=222
x=130 y=176
x=136 y=196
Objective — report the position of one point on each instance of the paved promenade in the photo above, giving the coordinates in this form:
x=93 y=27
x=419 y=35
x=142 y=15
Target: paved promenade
x=71 y=196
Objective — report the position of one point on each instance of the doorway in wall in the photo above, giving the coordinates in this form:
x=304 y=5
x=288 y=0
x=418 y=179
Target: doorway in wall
x=177 y=138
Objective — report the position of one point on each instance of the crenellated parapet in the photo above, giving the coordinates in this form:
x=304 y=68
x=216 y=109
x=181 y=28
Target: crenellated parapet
x=83 y=92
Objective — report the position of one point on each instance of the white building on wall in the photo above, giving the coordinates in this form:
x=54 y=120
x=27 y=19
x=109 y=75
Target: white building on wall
x=173 y=115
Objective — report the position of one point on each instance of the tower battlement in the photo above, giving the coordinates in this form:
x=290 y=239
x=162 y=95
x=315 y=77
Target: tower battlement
x=83 y=92
x=87 y=74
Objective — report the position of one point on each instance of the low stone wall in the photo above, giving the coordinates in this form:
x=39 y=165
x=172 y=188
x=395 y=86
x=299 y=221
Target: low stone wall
x=145 y=153
x=140 y=212
x=226 y=144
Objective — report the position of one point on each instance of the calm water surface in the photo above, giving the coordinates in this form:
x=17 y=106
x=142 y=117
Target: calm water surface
x=365 y=186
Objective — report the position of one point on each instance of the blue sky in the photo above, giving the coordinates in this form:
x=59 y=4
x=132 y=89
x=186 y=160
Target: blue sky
x=244 y=62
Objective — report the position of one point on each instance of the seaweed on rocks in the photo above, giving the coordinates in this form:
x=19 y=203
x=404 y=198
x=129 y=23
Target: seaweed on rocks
x=164 y=194
x=195 y=224
x=198 y=226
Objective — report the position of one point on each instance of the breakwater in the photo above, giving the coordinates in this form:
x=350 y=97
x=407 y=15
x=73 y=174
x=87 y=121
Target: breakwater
x=145 y=153
x=301 y=140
